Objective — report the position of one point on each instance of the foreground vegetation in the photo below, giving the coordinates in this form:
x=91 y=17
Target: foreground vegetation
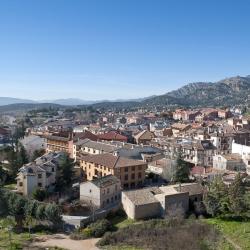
x=238 y=232
x=163 y=234
x=17 y=240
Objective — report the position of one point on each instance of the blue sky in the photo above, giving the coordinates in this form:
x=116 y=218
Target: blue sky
x=104 y=49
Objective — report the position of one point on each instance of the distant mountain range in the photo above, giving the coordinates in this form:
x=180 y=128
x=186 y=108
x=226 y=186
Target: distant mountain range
x=230 y=91
x=64 y=102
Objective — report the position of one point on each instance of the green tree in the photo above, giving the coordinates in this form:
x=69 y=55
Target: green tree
x=3 y=176
x=29 y=222
x=65 y=173
x=236 y=195
x=39 y=194
x=38 y=153
x=53 y=214
x=13 y=162
x=22 y=155
x=16 y=207
x=40 y=212
x=182 y=170
x=216 y=199
x=31 y=208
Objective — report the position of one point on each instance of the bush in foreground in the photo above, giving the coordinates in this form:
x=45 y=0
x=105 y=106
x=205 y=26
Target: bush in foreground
x=163 y=234
x=96 y=229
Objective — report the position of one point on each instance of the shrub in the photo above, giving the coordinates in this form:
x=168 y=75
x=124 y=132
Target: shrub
x=78 y=236
x=53 y=214
x=162 y=234
x=99 y=228
x=87 y=232
x=39 y=194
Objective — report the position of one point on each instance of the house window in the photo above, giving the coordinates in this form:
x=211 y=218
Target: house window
x=108 y=190
x=90 y=190
x=39 y=176
x=140 y=167
x=133 y=168
x=126 y=177
x=126 y=169
x=103 y=191
x=107 y=201
x=139 y=175
x=53 y=170
x=132 y=176
x=39 y=184
x=20 y=184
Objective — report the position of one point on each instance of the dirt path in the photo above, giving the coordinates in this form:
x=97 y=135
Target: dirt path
x=61 y=240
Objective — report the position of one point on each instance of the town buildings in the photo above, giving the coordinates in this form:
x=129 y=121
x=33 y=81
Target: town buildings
x=40 y=174
x=144 y=137
x=130 y=172
x=161 y=201
x=231 y=162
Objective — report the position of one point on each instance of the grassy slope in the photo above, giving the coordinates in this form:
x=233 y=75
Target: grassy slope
x=17 y=240
x=238 y=232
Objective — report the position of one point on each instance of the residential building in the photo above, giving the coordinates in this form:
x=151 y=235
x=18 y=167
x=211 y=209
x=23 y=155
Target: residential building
x=223 y=142
x=88 y=146
x=244 y=151
x=197 y=152
x=56 y=143
x=144 y=137
x=38 y=174
x=102 y=192
x=5 y=134
x=178 y=128
x=130 y=172
x=232 y=162
x=112 y=136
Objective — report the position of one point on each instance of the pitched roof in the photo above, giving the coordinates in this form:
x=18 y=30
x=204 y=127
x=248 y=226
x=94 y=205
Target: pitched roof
x=191 y=188
x=145 y=134
x=111 y=161
x=112 y=135
x=105 y=181
x=85 y=135
x=143 y=196
x=3 y=131
x=57 y=138
x=180 y=126
x=97 y=145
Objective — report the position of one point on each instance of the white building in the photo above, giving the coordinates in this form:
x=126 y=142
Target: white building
x=38 y=174
x=231 y=162
x=103 y=192
x=244 y=151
